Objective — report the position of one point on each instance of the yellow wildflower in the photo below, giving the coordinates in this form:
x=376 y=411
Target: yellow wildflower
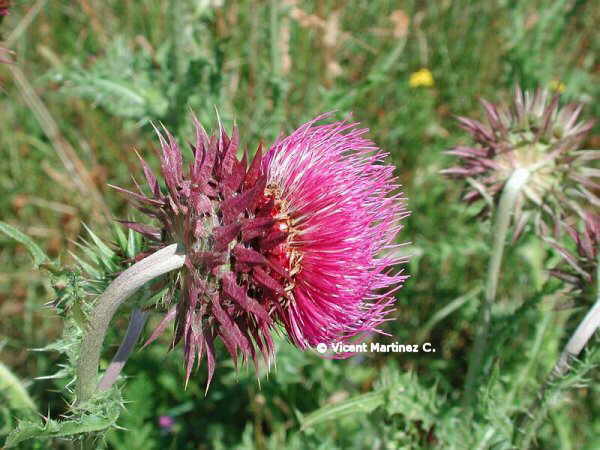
x=421 y=78
x=557 y=86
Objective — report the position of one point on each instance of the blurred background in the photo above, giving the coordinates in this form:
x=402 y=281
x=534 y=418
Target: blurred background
x=91 y=75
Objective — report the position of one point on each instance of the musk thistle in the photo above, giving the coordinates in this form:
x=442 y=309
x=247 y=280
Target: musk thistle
x=534 y=134
x=526 y=162
x=302 y=236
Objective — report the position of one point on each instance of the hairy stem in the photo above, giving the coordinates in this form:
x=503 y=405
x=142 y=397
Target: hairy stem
x=134 y=329
x=159 y=263
x=509 y=197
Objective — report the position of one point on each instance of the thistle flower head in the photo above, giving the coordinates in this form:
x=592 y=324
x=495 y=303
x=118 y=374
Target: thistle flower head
x=295 y=237
x=534 y=134
x=580 y=267
x=4 y=8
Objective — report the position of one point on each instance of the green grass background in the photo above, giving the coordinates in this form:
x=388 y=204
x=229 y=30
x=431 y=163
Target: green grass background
x=91 y=75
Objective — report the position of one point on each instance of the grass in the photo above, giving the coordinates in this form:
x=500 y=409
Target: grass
x=102 y=70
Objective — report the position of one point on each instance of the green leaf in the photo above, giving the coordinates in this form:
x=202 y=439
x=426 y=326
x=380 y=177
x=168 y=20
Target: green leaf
x=39 y=256
x=13 y=391
x=119 y=236
x=132 y=244
x=87 y=268
x=122 y=81
x=398 y=393
x=407 y=398
x=102 y=247
x=364 y=403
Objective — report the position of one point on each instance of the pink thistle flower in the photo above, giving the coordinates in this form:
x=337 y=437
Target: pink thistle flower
x=166 y=423
x=303 y=236
x=535 y=134
x=335 y=200
x=4 y=8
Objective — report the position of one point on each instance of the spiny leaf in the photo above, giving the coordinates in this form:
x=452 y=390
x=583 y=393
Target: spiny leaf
x=102 y=247
x=364 y=403
x=120 y=236
x=97 y=415
x=95 y=258
x=87 y=268
x=60 y=429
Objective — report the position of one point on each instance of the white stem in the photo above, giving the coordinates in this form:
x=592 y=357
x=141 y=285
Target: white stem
x=583 y=333
x=134 y=329
x=159 y=263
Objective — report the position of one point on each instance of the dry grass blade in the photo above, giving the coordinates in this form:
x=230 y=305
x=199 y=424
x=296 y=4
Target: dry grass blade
x=63 y=148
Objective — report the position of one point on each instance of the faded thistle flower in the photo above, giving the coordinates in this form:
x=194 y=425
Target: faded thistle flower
x=302 y=236
x=535 y=134
x=4 y=8
x=580 y=267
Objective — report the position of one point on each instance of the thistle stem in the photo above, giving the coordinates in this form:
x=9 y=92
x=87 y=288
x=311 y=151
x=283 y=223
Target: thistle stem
x=586 y=329
x=510 y=194
x=134 y=329
x=583 y=333
x=159 y=263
